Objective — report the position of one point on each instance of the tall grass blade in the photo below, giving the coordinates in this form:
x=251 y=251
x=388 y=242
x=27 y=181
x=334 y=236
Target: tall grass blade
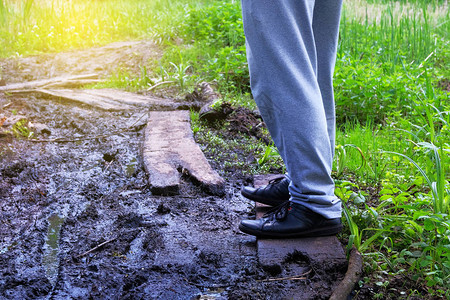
x=27 y=11
x=3 y=14
x=355 y=238
x=437 y=201
x=370 y=240
x=440 y=181
x=428 y=118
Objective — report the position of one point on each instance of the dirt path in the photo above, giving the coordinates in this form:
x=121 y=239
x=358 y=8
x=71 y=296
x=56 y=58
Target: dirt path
x=103 y=60
x=78 y=219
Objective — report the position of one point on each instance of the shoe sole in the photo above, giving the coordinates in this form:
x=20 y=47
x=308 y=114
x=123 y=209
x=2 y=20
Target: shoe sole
x=263 y=200
x=325 y=231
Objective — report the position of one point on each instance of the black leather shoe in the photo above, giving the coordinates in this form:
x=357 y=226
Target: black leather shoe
x=291 y=220
x=273 y=194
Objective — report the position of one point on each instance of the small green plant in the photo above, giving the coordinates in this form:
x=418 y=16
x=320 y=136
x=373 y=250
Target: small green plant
x=270 y=152
x=144 y=80
x=356 y=233
x=342 y=158
x=195 y=119
x=21 y=130
x=180 y=74
x=436 y=181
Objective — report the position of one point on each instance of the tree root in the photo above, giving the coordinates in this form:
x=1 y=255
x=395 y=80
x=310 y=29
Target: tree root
x=352 y=276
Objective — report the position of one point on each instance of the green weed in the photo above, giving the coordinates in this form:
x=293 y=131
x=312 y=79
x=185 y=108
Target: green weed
x=436 y=181
x=270 y=152
x=20 y=129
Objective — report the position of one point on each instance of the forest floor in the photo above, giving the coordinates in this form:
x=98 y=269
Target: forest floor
x=78 y=219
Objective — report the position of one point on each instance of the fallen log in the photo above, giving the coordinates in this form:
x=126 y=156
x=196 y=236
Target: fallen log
x=213 y=109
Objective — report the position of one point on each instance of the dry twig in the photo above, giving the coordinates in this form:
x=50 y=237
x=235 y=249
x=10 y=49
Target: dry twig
x=158 y=84
x=96 y=247
x=295 y=277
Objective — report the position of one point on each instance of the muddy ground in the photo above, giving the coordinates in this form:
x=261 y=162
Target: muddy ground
x=78 y=220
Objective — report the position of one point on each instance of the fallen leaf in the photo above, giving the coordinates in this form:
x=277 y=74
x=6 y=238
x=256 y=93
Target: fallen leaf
x=2 y=120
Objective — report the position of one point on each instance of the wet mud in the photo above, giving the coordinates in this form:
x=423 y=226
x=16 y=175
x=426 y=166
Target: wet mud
x=78 y=220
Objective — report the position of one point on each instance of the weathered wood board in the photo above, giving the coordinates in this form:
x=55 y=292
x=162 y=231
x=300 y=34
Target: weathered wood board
x=56 y=81
x=169 y=148
x=317 y=249
x=110 y=99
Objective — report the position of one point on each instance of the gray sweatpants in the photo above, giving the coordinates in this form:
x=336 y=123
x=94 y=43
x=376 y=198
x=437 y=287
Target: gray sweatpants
x=291 y=52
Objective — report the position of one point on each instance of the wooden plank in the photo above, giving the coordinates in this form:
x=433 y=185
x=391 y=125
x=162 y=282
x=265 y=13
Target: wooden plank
x=43 y=82
x=272 y=252
x=169 y=147
x=111 y=99
x=317 y=249
x=92 y=100
x=71 y=84
x=134 y=99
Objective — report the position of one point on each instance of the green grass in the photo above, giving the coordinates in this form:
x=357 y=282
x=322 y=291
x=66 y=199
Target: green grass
x=389 y=54
x=29 y=27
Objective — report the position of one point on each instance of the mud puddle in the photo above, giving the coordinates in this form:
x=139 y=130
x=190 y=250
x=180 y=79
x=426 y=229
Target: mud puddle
x=78 y=220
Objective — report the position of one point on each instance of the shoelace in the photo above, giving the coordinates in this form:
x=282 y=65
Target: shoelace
x=279 y=212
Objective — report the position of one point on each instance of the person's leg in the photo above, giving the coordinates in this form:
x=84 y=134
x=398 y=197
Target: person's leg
x=282 y=56
x=326 y=19
x=326 y=30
